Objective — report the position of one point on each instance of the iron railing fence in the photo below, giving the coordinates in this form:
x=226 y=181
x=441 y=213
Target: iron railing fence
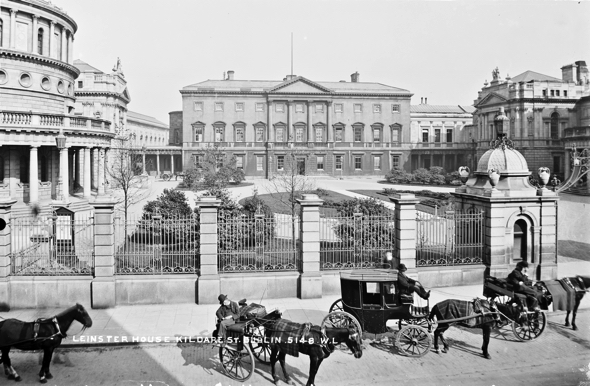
x=449 y=239
x=52 y=246
x=357 y=241
x=157 y=246
x=255 y=243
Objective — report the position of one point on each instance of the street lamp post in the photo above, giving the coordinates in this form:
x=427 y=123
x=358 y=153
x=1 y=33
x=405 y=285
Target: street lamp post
x=63 y=180
x=143 y=150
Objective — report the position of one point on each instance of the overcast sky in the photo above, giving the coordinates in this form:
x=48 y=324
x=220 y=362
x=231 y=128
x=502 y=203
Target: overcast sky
x=440 y=50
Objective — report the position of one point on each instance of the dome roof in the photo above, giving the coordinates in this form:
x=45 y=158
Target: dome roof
x=505 y=159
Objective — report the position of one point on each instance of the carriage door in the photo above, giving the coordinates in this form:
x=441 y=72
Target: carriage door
x=373 y=314
x=520 y=241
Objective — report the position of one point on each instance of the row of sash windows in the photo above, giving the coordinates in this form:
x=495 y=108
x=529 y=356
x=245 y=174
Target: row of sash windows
x=299 y=107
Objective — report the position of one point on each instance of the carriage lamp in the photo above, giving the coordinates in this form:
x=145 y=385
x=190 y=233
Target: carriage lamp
x=544 y=173
x=463 y=174
x=60 y=140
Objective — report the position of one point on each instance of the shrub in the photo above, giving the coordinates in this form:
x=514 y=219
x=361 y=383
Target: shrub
x=437 y=179
x=422 y=176
x=171 y=203
x=399 y=176
x=437 y=170
x=366 y=206
x=452 y=177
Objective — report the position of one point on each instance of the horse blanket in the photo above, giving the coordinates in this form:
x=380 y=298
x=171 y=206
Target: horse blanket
x=14 y=331
x=563 y=297
x=289 y=334
x=252 y=311
x=479 y=309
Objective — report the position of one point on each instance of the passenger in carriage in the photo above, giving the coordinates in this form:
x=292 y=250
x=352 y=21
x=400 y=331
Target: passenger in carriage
x=520 y=282
x=227 y=314
x=409 y=285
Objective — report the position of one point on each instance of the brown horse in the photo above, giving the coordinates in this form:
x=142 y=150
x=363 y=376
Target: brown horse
x=453 y=311
x=317 y=351
x=583 y=283
x=42 y=334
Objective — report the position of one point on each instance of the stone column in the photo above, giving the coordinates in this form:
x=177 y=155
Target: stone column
x=310 y=281
x=71 y=48
x=34 y=174
x=12 y=28
x=157 y=164
x=64 y=45
x=567 y=169
x=87 y=174
x=269 y=126
x=103 y=284
x=310 y=138
x=63 y=175
x=329 y=133
x=52 y=48
x=34 y=34
x=94 y=167
x=5 y=251
x=77 y=168
x=289 y=122
x=143 y=164
x=208 y=284
x=172 y=164
x=101 y=171
x=405 y=232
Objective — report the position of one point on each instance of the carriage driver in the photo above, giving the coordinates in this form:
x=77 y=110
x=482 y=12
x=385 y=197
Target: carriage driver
x=227 y=314
x=410 y=285
x=520 y=282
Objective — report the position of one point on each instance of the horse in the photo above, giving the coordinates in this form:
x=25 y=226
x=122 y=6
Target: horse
x=581 y=280
x=478 y=313
x=42 y=334
x=324 y=341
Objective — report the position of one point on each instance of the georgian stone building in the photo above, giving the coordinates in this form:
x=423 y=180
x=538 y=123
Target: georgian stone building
x=45 y=148
x=442 y=135
x=541 y=110
x=332 y=128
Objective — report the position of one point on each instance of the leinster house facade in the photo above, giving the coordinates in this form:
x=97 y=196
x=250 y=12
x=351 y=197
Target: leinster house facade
x=333 y=128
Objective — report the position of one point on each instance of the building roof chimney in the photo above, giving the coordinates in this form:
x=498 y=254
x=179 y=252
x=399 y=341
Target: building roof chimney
x=355 y=77
x=230 y=75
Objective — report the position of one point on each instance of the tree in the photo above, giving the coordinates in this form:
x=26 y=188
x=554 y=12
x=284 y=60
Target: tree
x=215 y=170
x=288 y=184
x=124 y=173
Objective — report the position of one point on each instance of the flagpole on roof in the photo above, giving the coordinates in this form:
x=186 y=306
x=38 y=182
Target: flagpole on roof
x=291 y=54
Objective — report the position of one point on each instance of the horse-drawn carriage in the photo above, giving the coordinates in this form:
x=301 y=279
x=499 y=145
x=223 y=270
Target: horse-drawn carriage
x=527 y=324
x=371 y=298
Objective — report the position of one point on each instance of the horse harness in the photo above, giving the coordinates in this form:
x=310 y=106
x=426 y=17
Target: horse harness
x=36 y=338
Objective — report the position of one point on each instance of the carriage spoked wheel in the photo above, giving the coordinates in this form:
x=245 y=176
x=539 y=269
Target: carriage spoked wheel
x=258 y=346
x=342 y=319
x=413 y=340
x=338 y=305
x=238 y=365
x=532 y=328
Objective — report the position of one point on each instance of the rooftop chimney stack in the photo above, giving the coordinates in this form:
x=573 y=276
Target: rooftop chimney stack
x=422 y=101
x=355 y=77
x=425 y=101
x=230 y=75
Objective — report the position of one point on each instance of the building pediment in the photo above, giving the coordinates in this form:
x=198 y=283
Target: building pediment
x=299 y=85
x=491 y=99
x=197 y=123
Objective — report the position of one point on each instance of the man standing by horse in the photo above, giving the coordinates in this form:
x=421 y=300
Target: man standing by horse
x=521 y=284
x=227 y=314
x=410 y=285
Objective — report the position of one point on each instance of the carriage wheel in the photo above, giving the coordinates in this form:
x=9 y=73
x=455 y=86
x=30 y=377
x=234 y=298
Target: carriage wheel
x=338 y=305
x=259 y=348
x=341 y=319
x=413 y=341
x=422 y=322
x=238 y=365
x=532 y=328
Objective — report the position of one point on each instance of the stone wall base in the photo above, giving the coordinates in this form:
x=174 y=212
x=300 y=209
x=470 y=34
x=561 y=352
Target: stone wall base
x=104 y=293
x=46 y=292
x=156 y=290
x=310 y=286
x=208 y=289
x=431 y=277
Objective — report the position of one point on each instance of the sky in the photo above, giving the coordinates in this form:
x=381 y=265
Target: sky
x=440 y=50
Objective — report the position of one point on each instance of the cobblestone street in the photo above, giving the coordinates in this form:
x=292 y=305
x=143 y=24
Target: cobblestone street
x=559 y=357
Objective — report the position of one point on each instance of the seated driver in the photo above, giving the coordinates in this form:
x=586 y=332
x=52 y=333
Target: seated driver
x=521 y=284
x=410 y=285
x=227 y=314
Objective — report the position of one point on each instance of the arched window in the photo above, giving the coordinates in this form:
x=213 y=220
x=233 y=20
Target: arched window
x=239 y=132
x=319 y=130
x=40 y=41
x=176 y=136
x=219 y=130
x=555 y=126
x=377 y=132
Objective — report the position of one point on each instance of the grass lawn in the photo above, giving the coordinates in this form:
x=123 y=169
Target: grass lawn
x=229 y=186
x=277 y=201
x=379 y=195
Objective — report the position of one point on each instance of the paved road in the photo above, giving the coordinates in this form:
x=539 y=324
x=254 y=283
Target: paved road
x=559 y=357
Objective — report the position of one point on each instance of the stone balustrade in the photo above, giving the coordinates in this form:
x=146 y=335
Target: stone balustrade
x=28 y=119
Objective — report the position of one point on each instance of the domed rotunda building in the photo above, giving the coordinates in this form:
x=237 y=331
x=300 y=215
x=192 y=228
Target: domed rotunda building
x=41 y=142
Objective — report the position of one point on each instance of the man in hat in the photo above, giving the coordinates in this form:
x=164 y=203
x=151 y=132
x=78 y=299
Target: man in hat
x=521 y=284
x=227 y=314
x=409 y=285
